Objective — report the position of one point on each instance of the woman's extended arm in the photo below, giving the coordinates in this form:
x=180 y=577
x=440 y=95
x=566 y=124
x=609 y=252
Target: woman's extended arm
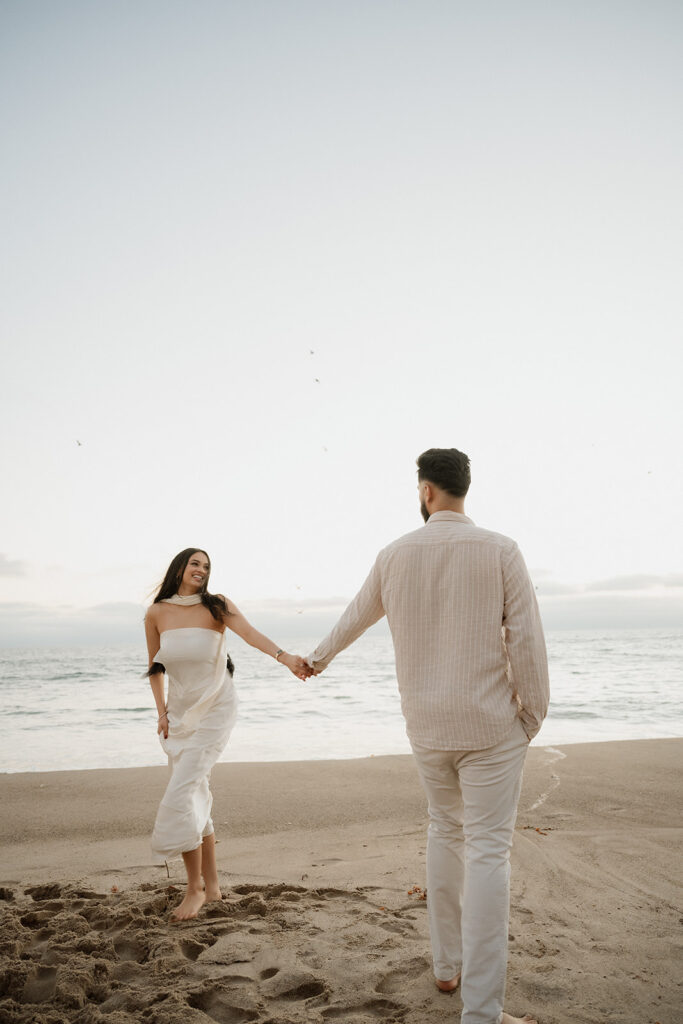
x=156 y=681
x=235 y=621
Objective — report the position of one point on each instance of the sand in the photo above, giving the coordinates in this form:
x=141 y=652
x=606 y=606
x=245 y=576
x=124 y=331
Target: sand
x=323 y=920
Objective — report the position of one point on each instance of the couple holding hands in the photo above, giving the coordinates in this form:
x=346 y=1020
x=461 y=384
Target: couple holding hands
x=472 y=673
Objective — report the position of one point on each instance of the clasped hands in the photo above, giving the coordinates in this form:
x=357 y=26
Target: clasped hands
x=298 y=666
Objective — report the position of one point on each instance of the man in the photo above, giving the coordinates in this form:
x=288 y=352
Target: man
x=473 y=677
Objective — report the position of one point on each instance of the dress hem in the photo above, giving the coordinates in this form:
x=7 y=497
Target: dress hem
x=176 y=854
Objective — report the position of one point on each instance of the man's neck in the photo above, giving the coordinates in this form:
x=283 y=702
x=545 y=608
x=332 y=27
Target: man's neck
x=448 y=505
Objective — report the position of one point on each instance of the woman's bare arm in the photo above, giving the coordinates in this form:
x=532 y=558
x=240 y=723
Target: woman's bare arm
x=156 y=681
x=236 y=621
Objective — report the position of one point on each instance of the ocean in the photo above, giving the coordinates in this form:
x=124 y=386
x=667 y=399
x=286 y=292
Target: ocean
x=86 y=707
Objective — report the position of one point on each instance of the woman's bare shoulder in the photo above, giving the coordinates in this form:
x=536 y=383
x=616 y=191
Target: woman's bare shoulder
x=152 y=614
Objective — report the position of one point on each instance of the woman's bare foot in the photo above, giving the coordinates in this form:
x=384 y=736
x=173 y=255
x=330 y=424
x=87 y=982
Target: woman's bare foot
x=212 y=893
x=509 y=1019
x=192 y=903
x=448 y=986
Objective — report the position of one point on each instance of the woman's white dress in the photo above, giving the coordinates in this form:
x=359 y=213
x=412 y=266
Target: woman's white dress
x=202 y=708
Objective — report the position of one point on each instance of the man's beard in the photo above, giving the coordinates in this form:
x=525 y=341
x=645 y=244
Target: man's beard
x=423 y=510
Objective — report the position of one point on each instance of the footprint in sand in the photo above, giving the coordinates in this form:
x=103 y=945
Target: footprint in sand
x=251 y=905
x=221 y=1006
x=295 y=986
x=393 y=923
x=372 y=1009
x=408 y=971
x=36 y=918
x=40 y=939
x=40 y=985
x=128 y=948
x=191 y=949
x=50 y=891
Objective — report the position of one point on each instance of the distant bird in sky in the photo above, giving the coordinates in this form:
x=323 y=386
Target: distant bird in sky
x=79 y=443
x=312 y=351
x=316 y=380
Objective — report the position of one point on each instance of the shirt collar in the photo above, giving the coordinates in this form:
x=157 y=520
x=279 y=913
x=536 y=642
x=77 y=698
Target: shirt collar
x=449 y=517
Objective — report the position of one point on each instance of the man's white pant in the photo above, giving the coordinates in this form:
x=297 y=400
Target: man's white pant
x=473 y=796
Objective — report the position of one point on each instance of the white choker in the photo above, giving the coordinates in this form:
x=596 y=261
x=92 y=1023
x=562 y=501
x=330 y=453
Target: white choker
x=188 y=599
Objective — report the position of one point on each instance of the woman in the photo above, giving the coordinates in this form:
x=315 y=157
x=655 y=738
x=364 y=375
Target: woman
x=187 y=640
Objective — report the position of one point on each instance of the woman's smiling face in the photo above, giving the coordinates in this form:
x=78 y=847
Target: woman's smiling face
x=197 y=571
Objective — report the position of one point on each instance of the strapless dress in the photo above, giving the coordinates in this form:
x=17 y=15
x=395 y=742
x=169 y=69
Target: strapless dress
x=202 y=708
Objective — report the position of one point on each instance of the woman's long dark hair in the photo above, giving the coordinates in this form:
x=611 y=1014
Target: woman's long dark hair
x=216 y=603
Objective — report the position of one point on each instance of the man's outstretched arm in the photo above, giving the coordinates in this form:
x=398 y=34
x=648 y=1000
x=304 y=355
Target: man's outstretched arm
x=365 y=609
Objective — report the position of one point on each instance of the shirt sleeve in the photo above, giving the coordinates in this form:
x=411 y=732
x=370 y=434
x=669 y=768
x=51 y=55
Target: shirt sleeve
x=525 y=642
x=365 y=609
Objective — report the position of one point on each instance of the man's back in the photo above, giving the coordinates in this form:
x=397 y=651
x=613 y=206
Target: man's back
x=447 y=590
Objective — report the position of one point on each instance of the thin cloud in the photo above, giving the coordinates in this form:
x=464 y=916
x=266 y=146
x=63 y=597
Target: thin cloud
x=612 y=611
x=554 y=588
x=643 y=581
x=28 y=624
x=286 y=604
x=12 y=567
x=122 y=611
x=636 y=582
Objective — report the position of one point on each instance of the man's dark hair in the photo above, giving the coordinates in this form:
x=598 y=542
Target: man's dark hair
x=446 y=468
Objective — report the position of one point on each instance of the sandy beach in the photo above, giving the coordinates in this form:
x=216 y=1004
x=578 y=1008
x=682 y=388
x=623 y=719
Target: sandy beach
x=322 y=867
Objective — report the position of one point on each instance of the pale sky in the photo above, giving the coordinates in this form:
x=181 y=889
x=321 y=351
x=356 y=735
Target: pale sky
x=257 y=256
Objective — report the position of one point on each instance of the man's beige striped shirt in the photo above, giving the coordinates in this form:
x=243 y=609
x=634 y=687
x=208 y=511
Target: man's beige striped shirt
x=470 y=652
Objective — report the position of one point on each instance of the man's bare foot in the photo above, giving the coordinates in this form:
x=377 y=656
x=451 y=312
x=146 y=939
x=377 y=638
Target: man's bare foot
x=448 y=986
x=192 y=903
x=212 y=893
x=509 y=1019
